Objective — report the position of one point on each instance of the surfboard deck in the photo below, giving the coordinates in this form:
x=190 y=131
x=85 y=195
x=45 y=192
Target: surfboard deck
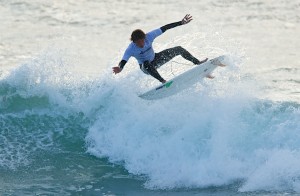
x=184 y=80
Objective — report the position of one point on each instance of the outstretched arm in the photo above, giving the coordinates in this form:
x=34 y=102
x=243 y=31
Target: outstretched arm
x=119 y=68
x=125 y=58
x=188 y=18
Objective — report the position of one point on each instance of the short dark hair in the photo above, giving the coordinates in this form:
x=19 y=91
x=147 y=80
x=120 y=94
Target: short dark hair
x=137 y=34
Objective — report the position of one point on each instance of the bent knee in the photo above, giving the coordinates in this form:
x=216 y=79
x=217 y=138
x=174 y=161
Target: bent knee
x=178 y=47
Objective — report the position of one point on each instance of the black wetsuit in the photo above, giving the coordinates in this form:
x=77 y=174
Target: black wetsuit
x=164 y=56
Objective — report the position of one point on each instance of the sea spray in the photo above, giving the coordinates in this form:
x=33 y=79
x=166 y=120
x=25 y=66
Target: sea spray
x=211 y=135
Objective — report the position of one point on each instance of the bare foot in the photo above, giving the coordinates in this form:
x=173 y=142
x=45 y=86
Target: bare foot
x=210 y=76
x=203 y=61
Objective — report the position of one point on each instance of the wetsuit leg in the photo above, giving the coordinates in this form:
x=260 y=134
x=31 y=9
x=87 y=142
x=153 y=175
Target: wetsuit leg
x=164 y=57
x=168 y=54
x=150 y=69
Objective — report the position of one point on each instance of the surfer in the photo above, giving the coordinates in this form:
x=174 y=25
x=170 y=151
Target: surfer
x=141 y=49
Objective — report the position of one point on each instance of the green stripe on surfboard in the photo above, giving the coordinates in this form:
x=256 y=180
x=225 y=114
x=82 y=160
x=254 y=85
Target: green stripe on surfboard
x=168 y=84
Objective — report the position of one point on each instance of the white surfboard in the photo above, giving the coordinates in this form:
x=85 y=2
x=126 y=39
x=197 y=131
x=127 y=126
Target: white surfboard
x=184 y=80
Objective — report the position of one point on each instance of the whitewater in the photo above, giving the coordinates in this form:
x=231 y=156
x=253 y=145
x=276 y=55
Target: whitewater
x=69 y=126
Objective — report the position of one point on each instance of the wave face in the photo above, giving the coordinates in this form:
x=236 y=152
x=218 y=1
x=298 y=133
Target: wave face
x=36 y=112
x=213 y=134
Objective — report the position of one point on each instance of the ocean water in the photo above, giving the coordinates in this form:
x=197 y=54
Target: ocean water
x=68 y=126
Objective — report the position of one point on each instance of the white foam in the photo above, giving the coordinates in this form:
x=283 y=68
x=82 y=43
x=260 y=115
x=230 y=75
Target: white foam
x=214 y=135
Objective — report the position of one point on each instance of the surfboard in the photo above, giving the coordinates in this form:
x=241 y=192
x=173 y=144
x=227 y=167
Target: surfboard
x=184 y=80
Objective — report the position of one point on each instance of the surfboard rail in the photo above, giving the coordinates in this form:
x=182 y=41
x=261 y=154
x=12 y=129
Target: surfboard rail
x=184 y=80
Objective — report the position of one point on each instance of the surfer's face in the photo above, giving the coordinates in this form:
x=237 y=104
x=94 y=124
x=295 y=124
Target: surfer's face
x=140 y=43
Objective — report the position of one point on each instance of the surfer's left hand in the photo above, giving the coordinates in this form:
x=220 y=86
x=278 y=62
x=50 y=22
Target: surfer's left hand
x=188 y=18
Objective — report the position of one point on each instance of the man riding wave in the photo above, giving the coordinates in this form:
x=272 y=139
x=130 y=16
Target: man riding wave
x=141 y=48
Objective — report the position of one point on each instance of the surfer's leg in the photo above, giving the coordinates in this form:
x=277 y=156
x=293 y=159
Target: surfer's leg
x=150 y=69
x=185 y=54
x=168 y=54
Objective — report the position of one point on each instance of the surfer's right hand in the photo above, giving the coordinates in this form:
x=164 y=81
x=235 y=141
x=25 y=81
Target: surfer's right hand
x=116 y=70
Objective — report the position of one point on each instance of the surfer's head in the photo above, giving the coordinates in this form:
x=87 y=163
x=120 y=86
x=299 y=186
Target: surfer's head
x=138 y=37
